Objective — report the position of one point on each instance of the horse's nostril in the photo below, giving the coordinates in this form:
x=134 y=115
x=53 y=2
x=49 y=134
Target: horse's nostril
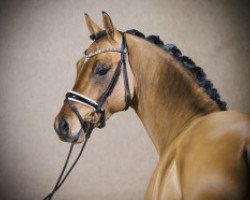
x=64 y=127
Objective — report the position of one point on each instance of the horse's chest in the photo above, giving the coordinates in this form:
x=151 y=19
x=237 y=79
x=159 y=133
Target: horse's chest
x=164 y=183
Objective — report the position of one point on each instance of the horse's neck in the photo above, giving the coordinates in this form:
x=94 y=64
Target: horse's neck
x=167 y=99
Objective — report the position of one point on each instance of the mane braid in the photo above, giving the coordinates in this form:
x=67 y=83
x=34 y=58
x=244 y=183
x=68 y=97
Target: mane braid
x=187 y=63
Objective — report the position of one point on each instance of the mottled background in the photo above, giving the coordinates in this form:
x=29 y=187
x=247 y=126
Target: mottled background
x=40 y=44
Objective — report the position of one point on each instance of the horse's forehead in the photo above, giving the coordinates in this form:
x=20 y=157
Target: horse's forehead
x=97 y=45
x=103 y=43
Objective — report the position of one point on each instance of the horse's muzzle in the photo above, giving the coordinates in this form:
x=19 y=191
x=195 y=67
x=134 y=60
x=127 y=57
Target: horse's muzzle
x=63 y=130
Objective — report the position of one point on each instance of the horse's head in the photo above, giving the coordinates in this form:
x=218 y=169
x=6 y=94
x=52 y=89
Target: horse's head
x=103 y=85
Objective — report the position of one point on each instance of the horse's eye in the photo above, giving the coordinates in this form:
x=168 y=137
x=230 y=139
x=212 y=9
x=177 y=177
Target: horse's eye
x=101 y=69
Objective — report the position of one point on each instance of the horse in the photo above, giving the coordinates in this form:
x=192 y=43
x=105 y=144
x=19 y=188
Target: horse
x=204 y=149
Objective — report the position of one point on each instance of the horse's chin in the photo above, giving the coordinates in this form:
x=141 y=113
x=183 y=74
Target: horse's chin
x=79 y=141
x=74 y=139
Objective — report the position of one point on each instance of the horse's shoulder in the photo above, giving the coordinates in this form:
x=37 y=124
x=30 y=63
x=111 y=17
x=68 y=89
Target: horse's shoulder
x=210 y=151
x=221 y=133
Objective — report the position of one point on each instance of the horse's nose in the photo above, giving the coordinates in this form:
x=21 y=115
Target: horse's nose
x=64 y=127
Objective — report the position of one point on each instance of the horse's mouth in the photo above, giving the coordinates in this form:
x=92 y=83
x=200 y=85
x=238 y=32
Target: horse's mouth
x=76 y=136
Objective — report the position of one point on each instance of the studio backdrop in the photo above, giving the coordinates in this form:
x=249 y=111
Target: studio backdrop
x=41 y=42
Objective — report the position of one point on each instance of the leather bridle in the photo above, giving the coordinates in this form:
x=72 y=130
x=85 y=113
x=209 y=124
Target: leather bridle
x=87 y=125
x=97 y=107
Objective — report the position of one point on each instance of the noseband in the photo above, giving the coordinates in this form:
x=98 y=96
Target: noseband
x=86 y=125
x=97 y=107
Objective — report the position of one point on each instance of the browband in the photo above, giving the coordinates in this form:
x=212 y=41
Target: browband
x=90 y=55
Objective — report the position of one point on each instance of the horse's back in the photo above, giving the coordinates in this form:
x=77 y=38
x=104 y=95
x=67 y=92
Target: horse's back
x=220 y=124
x=213 y=157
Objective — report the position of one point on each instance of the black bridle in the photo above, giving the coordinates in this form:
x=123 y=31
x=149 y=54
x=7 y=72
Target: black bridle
x=98 y=106
x=87 y=125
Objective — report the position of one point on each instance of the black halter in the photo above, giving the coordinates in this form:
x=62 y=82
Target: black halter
x=88 y=126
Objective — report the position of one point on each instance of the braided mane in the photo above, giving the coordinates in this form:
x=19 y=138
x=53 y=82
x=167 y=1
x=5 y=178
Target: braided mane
x=187 y=63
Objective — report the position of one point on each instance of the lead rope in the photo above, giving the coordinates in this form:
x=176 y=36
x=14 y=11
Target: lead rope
x=61 y=180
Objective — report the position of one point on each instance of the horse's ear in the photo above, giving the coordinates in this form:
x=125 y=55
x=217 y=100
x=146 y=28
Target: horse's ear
x=92 y=26
x=108 y=26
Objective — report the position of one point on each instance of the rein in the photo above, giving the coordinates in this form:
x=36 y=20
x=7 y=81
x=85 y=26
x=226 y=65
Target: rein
x=87 y=126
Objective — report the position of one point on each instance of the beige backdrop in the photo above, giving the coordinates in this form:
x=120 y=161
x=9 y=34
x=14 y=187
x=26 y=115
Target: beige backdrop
x=40 y=44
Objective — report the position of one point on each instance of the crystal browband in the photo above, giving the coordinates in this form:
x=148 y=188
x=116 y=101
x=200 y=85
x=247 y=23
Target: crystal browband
x=90 y=55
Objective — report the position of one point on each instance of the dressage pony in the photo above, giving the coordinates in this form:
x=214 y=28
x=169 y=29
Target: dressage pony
x=203 y=148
